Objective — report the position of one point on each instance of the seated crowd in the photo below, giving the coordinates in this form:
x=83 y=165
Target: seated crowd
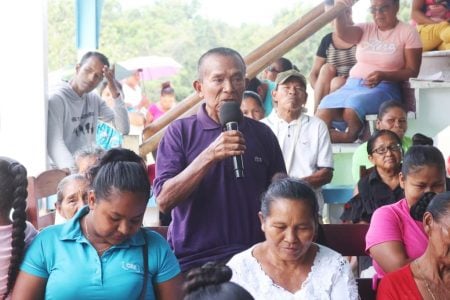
x=244 y=193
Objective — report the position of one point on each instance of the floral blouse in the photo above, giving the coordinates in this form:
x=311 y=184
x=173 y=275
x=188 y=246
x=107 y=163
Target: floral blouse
x=330 y=278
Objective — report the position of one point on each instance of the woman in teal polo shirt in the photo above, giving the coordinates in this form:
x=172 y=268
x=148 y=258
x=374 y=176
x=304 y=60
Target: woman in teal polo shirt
x=102 y=253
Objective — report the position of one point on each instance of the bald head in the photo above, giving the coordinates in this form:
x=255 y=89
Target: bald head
x=220 y=51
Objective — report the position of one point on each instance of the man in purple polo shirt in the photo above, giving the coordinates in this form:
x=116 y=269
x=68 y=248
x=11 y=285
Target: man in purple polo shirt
x=214 y=215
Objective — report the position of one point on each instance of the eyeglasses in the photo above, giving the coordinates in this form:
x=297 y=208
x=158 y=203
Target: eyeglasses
x=383 y=150
x=273 y=69
x=382 y=9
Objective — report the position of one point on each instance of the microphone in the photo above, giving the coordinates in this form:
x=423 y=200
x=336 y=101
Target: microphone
x=230 y=115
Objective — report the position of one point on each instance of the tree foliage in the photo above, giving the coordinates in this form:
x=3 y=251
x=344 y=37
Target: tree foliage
x=61 y=34
x=172 y=28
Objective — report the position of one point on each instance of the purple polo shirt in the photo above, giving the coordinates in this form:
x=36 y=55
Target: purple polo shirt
x=220 y=218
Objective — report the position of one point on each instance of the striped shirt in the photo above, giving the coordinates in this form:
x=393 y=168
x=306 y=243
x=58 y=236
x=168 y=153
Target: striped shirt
x=342 y=59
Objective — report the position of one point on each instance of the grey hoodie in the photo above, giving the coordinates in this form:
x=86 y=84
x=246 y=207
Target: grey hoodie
x=72 y=122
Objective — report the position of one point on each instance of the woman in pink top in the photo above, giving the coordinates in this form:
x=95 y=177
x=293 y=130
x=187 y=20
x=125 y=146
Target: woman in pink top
x=395 y=238
x=427 y=277
x=388 y=52
x=15 y=234
x=166 y=102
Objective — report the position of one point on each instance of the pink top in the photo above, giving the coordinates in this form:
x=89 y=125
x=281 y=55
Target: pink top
x=383 y=50
x=5 y=251
x=155 y=111
x=394 y=223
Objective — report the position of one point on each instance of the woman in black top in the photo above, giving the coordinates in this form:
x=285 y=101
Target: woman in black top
x=381 y=186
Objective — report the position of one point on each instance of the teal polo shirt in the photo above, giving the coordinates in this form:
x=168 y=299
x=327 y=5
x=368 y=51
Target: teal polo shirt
x=62 y=255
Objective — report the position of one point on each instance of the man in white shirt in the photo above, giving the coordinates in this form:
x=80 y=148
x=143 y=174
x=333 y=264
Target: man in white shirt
x=304 y=140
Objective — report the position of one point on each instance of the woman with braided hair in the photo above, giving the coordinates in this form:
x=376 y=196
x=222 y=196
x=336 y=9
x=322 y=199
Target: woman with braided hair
x=15 y=233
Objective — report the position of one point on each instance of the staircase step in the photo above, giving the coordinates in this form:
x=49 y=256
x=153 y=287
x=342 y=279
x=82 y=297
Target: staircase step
x=434 y=62
x=344 y=147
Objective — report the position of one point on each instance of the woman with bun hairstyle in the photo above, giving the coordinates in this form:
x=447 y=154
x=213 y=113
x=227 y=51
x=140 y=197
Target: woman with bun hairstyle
x=288 y=264
x=71 y=195
x=395 y=236
x=427 y=277
x=15 y=233
x=166 y=102
x=212 y=281
x=102 y=252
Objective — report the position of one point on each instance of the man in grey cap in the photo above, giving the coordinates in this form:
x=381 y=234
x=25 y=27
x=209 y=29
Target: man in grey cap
x=304 y=140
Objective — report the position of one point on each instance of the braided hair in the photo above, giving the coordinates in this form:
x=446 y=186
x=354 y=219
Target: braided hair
x=418 y=209
x=212 y=281
x=13 y=194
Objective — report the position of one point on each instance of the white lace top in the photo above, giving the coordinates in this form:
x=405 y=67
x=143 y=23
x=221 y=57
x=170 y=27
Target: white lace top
x=330 y=278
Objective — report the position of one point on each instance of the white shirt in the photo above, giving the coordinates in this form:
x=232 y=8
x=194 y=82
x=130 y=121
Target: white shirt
x=330 y=278
x=133 y=96
x=305 y=144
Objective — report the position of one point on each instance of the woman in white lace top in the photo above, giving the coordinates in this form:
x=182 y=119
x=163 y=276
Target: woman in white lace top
x=288 y=264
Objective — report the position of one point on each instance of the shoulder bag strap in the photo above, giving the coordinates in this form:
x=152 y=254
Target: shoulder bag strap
x=145 y=259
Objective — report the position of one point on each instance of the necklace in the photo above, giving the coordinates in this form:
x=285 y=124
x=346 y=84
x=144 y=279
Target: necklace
x=380 y=36
x=427 y=284
x=89 y=237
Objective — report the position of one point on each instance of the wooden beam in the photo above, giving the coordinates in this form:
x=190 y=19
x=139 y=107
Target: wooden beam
x=151 y=143
x=192 y=99
x=174 y=113
x=283 y=34
x=292 y=41
x=257 y=60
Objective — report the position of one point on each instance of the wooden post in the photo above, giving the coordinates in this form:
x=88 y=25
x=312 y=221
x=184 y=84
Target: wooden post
x=174 y=113
x=191 y=100
x=150 y=144
x=287 y=44
x=283 y=34
x=292 y=41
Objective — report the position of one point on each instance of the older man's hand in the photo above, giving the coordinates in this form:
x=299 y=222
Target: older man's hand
x=228 y=143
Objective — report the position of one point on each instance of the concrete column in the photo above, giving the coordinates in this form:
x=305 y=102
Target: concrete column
x=23 y=78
